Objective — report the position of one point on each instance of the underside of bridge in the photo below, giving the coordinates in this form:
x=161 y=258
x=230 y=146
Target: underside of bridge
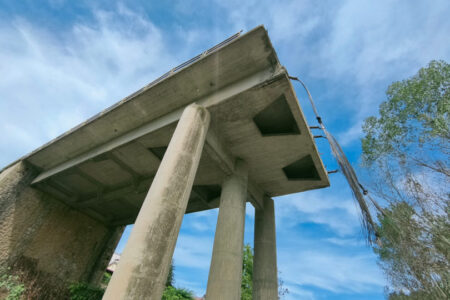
x=104 y=167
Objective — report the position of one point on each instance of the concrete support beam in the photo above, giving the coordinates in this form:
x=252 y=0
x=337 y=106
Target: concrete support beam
x=256 y=195
x=210 y=100
x=145 y=262
x=219 y=153
x=216 y=149
x=225 y=274
x=265 y=279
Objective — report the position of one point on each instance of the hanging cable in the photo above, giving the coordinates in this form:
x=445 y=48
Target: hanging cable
x=357 y=188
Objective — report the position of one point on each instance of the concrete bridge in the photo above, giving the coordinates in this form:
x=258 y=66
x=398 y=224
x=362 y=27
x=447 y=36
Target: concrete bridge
x=220 y=130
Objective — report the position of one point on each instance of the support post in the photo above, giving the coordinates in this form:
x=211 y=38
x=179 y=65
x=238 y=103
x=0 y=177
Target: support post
x=145 y=262
x=265 y=277
x=101 y=262
x=225 y=274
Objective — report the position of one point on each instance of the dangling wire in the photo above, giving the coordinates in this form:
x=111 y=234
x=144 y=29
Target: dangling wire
x=357 y=188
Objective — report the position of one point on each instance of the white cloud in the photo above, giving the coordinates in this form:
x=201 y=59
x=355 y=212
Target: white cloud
x=345 y=242
x=330 y=271
x=296 y=292
x=203 y=221
x=351 y=134
x=336 y=261
x=358 y=46
x=56 y=80
x=376 y=41
x=193 y=251
x=339 y=214
x=372 y=44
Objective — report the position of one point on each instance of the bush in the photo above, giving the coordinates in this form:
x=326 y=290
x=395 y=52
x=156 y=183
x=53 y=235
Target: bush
x=105 y=280
x=12 y=287
x=84 y=291
x=172 y=293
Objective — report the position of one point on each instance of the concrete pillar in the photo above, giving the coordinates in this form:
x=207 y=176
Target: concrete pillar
x=145 y=262
x=99 y=265
x=225 y=274
x=265 y=279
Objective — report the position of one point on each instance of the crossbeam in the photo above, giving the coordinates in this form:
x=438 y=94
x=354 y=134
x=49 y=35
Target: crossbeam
x=216 y=149
x=165 y=120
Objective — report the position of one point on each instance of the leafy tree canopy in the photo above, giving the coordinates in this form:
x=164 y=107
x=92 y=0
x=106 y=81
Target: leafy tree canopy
x=247 y=274
x=415 y=114
x=173 y=293
x=407 y=151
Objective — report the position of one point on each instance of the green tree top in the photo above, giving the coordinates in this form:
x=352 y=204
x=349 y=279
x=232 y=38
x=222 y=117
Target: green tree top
x=247 y=273
x=415 y=114
x=407 y=151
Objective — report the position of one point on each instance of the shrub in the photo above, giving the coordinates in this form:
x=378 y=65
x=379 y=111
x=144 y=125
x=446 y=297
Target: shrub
x=84 y=291
x=172 y=293
x=11 y=285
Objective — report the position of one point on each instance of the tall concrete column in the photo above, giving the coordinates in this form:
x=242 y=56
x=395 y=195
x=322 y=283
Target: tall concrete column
x=225 y=273
x=145 y=262
x=265 y=279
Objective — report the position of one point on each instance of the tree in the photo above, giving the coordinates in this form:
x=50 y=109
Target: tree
x=406 y=150
x=415 y=116
x=173 y=293
x=247 y=273
x=247 y=277
x=170 y=279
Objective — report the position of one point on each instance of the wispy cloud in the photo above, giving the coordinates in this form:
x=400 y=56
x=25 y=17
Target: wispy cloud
x=339 y=214
x=56 y=81
x=348 y=51
x=193 y=251
x=330 y=271
x=359 y=47
x=334 y=259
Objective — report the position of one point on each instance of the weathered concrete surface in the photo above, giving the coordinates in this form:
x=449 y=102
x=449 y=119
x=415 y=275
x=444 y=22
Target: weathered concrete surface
x=255 y=114
x=145 y=262
x=99 y=266
x=55 y=238
x=265 y=279
x=21 y=212
x=225 y=274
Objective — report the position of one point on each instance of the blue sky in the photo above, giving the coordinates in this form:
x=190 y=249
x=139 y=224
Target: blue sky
x=63 y=61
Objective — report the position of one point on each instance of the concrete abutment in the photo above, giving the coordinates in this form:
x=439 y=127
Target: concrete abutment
x=43 y=236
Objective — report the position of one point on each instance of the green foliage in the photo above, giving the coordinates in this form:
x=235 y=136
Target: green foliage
x=247 y=277
x=416 y=295
x=409 y=255
x=416 y=113
x=172 y=293
x=84 y=291
x=12 y=286
x=170 y=278
x=407 y=151
x=247 y=273
x=390 y=233
x=106 y=278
